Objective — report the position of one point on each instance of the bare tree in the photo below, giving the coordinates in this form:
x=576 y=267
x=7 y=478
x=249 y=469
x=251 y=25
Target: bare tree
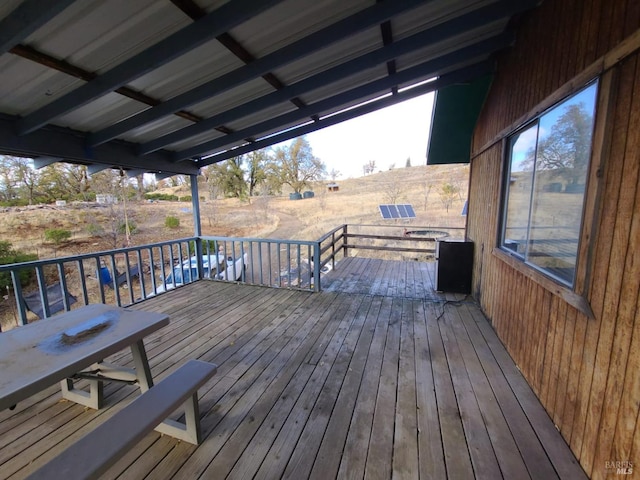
x=427 y=189
x=448 y=193
x=369 y=167
x=393 y=188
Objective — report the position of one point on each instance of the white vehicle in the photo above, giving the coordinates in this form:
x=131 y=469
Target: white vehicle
x=213 y=266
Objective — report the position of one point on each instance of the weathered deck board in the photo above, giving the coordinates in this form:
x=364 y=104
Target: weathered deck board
x=384 y=379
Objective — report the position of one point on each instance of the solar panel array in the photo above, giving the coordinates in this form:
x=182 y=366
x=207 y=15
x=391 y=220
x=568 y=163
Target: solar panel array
x=397 y=211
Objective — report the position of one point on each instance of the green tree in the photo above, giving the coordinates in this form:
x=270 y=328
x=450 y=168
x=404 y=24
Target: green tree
x=28 y=179
x=257 y=162
x=64 y=181
x=408 y=163
x=8 y=182
x=229 y=177
x=296 y=166
x=8 y=256
x=57 y=235
x=172 y=222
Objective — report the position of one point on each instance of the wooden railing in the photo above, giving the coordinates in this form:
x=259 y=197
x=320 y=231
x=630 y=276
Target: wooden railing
x=418 y=241
x=130 y=275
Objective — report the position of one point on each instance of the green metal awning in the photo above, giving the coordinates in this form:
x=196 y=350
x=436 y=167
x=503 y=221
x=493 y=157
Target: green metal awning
x=455 y=114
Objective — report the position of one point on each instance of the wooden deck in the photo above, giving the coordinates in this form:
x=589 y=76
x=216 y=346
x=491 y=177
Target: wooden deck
x=378 y=377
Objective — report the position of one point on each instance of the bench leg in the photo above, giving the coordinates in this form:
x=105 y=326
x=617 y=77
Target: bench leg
x=141 y=363
x=189 y=431
x=94 y=398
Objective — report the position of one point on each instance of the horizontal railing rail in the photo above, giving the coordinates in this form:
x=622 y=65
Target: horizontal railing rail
x=418 y=240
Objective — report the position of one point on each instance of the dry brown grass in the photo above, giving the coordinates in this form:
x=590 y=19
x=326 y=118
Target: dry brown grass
x=264 y=217
x=355 y=203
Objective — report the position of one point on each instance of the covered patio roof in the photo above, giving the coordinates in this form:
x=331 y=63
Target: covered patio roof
x=169 y=86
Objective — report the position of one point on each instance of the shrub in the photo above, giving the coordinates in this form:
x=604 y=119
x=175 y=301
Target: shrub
x=160 y=196
x=172 y=222
x=186 y=198
x=95 y=230
x=7 y=256
x=122 y=228
x=57 y=235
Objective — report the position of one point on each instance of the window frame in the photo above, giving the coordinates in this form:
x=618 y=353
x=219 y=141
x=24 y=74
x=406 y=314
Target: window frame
x=576 y=295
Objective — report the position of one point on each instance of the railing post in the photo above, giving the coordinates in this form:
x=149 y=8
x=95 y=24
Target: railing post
x=42 y=286
x=197 y=225
x=345 y=251
x=17 y=290
x=317 y=261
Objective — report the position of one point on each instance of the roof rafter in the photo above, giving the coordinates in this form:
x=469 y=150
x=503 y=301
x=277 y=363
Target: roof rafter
x=458 y=76
x=406 y=45
x=30 y=53
x=316 y=41
x=68 y=145
x=26 y=19
x=219 y=21
x=429 y=68
x=193 y=10
x=387 y=39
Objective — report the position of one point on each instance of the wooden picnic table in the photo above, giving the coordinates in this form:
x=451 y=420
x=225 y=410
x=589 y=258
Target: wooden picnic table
x=35 y=356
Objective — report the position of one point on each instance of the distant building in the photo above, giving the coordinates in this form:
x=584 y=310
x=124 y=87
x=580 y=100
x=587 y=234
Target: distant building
x=106 y=198
x=333 y=187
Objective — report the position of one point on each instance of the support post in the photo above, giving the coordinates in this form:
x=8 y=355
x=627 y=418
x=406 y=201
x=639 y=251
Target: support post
x=197 y=224
x=316 y=267
x=345 y=249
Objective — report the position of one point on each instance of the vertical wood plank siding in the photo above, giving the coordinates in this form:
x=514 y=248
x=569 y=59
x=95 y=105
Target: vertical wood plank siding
x=585 y=371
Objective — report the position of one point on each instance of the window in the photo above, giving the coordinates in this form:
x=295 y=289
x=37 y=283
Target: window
x=545 y=180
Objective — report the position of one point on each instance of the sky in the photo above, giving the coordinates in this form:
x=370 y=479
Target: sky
x=388 y=136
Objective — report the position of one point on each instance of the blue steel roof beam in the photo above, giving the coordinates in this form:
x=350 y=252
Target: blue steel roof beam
x=441 y=32
x=68 y=144
x=91 y=169
x=462 y=75
x=431 y=67
x=219 y=21
x=316 y=41
x=28 y=17
x=42 y=162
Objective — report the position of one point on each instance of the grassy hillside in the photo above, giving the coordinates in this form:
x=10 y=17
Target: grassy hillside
x=356 y=202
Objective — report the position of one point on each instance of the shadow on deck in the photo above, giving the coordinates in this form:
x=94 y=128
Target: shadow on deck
x=377 y=376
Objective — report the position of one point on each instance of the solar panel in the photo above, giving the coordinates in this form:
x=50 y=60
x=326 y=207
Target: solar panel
x=397 y=211
x=410 y=212
x=384 y=210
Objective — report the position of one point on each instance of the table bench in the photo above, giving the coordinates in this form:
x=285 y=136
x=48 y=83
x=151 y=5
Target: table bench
x=37 y=355
x=93 y=454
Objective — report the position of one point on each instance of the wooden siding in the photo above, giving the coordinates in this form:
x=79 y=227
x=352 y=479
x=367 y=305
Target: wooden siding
x=376 y=383
x=585 y=371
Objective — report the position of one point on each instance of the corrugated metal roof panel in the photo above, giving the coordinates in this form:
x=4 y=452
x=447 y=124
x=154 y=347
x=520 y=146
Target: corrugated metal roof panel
x=241 y=79
x=96 y=35
x=231 y=98
x=291 y=21
x=188 y=71
x=332 y=55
